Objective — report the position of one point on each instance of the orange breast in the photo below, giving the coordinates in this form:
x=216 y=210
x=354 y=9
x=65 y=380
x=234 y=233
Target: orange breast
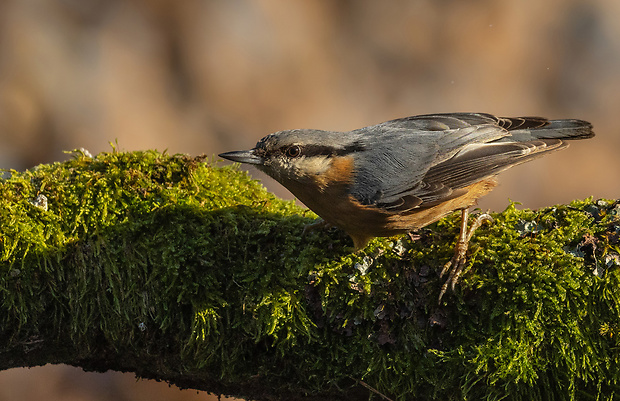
x=328 y=196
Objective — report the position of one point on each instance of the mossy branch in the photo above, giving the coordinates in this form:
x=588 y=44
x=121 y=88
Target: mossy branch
x=183 y=271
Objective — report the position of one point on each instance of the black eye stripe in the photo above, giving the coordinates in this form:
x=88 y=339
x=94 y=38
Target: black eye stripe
x=322 y=150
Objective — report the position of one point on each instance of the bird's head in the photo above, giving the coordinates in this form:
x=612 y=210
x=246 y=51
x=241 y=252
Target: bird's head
x=297 y=155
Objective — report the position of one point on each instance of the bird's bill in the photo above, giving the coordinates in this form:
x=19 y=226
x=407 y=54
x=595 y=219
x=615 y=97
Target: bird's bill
x=243 y=156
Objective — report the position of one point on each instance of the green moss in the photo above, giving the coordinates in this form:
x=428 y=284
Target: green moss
x=180 y=269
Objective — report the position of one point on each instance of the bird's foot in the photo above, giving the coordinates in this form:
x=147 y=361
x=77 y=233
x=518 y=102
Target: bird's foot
x=457 y=263
x=413 y=236
x=317 y=225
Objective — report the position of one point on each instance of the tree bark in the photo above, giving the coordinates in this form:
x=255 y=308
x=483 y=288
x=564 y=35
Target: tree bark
x=180 y=270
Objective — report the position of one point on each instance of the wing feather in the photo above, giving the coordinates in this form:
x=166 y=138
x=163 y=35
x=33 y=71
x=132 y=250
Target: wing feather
x=419 y=161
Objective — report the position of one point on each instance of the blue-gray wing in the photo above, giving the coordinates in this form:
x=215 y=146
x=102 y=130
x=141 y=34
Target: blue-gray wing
x=419 y=161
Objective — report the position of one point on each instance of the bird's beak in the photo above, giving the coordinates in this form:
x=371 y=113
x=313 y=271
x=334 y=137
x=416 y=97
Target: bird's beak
x=243 y=156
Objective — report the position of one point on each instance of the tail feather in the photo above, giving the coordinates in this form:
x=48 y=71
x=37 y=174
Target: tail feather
x=553 y=129
x=565 y=129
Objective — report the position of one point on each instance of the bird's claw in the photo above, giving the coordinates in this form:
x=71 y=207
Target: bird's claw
x=457 y=263
x=317 y=225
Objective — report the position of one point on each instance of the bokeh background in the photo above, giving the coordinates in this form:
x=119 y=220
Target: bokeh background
x=198 y=76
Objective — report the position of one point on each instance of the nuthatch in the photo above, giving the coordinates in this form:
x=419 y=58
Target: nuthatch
x=404 y=174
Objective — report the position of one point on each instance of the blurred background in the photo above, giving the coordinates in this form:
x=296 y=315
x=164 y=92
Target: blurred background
x=199 y=77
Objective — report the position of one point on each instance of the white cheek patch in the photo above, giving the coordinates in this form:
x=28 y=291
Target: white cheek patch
x=300 y=167
x=315 y=165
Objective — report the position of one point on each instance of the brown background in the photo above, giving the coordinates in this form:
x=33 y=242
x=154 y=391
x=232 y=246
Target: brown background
x=210 y=76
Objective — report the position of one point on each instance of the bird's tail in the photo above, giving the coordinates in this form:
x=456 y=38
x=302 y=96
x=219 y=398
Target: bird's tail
x=564 y=129
x=524 y=129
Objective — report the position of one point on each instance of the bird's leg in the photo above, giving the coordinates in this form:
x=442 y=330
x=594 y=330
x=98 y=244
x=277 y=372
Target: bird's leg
x=413 y=236
x=458 y=260
x=359 y=240
x=317 y=225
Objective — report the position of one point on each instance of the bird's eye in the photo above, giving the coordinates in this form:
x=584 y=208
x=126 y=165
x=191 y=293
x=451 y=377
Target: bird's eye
x=293 y=151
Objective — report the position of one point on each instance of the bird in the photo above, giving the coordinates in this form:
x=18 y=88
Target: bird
x=404 y=174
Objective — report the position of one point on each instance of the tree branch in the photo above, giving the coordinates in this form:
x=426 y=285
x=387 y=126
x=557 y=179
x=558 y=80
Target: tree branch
x=183 y=271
